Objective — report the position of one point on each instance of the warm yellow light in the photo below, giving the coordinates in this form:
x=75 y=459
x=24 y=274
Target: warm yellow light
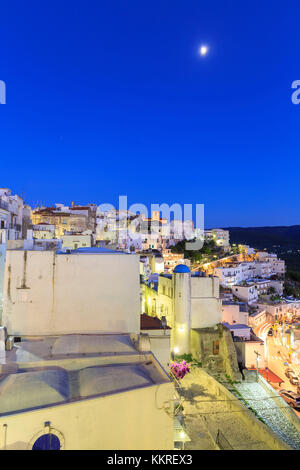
x=181 y=328
x=182 y=435
x=176 y=350
x=149 y=301
x=203 y=50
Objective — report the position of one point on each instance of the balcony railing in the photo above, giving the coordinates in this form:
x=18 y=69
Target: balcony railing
x=16 y=227
x=4 y=205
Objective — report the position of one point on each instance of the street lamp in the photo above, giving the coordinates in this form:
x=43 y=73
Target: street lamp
x=257 y=359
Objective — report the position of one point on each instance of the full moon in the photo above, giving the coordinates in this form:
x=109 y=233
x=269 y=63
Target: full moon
x=203 y=50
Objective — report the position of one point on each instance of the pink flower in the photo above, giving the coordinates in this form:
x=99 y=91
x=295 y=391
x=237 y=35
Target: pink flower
x=180 y=369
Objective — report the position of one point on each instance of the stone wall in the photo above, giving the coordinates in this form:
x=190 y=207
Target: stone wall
x=202 y=348
x=232 y=404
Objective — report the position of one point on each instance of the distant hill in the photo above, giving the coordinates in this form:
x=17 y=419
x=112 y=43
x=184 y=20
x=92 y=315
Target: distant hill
x=285 y=241
x=266 y=237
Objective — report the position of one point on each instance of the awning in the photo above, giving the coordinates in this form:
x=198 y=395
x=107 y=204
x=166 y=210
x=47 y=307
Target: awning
x=270 y=376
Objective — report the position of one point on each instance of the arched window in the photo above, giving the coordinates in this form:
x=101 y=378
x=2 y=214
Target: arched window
x=47 y=442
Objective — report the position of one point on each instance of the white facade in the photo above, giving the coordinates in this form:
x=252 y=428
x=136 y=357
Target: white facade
x=246 y=353
x=234 y=312
x=84 y=292
x=182 y=312
x=74 y=241
x=11 y=222
x=235 y=273
x=94 y=392
x=239 y=330
x=247 y=293
x=258 y=318
x=281 y=310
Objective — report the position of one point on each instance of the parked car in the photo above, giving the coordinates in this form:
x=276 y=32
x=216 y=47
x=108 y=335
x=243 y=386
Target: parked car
x=292 y=398
x=270 y=332
x=289 y=373
x=294 y=380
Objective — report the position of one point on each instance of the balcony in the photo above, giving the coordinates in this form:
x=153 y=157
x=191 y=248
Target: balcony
x=16 y=227
x=4 y=205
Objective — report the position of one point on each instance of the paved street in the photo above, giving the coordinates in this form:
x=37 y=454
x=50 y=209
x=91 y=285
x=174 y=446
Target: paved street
x=276 y=354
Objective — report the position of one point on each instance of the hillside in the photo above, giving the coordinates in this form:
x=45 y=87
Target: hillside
x=283 y=240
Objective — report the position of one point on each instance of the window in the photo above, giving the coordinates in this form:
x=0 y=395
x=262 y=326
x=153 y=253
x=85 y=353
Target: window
x=47 y=442
x=216 y=347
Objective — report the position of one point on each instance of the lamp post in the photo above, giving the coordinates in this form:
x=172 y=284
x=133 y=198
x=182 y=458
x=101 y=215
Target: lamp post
x=257 y=359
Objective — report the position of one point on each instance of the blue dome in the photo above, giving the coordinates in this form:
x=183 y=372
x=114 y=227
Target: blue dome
x=181 y=268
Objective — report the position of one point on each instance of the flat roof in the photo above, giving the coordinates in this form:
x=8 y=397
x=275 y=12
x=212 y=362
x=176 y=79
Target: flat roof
x=243 y=305
x=92 y=251
x=46 y=371
x=236 y=326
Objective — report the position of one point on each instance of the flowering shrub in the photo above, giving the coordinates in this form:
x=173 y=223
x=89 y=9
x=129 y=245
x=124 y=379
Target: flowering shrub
x=180 y=369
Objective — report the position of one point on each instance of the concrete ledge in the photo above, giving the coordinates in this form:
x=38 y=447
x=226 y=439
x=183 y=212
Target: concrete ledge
x=261 y=431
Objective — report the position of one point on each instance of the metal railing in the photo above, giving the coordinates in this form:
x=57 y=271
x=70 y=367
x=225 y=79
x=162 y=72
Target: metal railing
x=178 y=390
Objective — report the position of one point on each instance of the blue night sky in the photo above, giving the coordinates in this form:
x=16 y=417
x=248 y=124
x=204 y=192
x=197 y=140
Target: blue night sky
x=112 y=98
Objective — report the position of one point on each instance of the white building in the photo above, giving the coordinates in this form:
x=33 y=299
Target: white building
x=160 y=338
x=93 y=392
x=73 y=241
x=87 y=291
x=246 y=292
x=43 y=231
x=234 y=273
x=188 y=302
x=234 y=312
x=12 y=210
x=258 y=318
x=82 y=375
x=247 y=344
x=281 y=309
x=240 y=330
